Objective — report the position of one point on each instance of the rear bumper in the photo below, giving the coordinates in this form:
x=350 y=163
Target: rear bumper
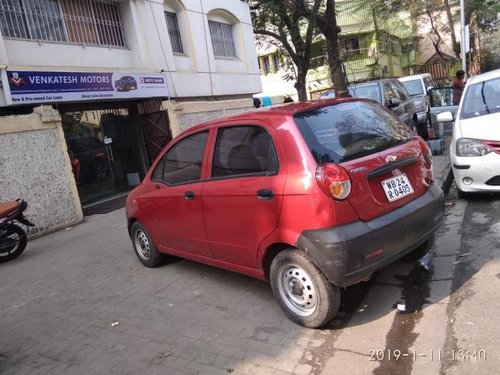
x=342 y=253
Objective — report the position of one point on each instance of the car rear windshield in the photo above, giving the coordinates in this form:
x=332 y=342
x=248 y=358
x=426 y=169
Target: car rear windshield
x=370 y=91
x=350 y=130
x=414 y=87
x=481 y=99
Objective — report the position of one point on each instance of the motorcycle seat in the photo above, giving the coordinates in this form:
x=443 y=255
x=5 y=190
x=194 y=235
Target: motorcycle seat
x=8 y=207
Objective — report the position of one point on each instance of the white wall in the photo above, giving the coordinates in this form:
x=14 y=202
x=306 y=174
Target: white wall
x=35 y=166
x=192 y=74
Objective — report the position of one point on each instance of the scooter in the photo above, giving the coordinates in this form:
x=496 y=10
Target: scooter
x=13 y=237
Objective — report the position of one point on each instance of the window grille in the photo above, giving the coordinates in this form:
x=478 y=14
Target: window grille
x=267 y=65
x=277 y=62
x=67 y=21
x=174 y=32
x=222 y=39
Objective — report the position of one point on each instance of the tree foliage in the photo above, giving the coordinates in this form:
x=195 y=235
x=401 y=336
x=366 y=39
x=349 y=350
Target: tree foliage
x=294 y=25
x=484 y=12
x=284 y=25
x=326 y=18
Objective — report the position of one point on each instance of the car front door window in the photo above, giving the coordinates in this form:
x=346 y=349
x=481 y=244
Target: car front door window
x=182 y=163
x=388 y=94
x=399 y=92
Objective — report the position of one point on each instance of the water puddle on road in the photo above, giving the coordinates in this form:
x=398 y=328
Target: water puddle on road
x=321 y=346
x=397 y=357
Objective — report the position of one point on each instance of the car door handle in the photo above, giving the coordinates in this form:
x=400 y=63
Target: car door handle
x=189 y=195
x=265 y=194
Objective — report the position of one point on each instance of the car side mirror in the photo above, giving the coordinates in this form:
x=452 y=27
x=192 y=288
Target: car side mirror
x=444 y=117
x=393 y=103
x=429 y=89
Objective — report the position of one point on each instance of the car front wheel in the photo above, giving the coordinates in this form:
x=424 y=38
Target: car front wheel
x=144 y=247
x=303 y=292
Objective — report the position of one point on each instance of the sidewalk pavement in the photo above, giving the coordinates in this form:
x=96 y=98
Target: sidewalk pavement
x=78 y=301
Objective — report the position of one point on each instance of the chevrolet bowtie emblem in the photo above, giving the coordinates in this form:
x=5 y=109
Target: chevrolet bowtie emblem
x=391 y=158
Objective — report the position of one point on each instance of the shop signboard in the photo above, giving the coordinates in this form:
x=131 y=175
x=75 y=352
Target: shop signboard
x=37 y=87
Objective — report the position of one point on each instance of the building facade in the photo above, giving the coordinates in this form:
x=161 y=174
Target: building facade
x=370 y=48
x=124 y=77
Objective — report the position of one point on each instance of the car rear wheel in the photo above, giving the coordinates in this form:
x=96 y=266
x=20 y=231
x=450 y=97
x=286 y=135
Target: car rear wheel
x=303 y=292
x=144 y=247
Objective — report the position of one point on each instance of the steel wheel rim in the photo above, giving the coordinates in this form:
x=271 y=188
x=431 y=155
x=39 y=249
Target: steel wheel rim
x=142 y=245
x=297 y=290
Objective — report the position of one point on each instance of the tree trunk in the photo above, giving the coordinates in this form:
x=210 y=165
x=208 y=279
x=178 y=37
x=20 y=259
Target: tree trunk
x=454 y=43
x=337 y=70
x=300 y=84
x=328 y=26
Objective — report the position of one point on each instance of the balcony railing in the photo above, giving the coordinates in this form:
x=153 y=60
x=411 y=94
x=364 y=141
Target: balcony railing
x=85 y=22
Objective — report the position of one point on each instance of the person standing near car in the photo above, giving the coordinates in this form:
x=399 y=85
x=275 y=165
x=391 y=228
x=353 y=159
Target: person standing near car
x=458 y=85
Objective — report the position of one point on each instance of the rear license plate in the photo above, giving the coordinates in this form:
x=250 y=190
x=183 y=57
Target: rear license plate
x=397 y=187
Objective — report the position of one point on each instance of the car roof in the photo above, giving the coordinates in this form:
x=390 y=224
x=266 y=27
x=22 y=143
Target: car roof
x=377 y=81
x=278 y=110
x=484 y=77
x=414 y=76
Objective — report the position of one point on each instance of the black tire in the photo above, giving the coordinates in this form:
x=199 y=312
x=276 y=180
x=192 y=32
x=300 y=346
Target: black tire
x=420 y=251
x=13 y=241
x=144 y=247
x=422 y=130
x=291 y=274
x=462 y=194
x=428 y=120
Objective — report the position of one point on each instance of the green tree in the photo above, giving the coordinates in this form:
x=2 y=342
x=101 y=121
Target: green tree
x=484 y=12
x=284 y=25
x=294 y=24
x=326 y=19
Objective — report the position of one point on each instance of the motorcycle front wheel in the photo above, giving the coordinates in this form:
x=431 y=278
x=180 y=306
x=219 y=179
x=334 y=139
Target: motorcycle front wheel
x=13 y=240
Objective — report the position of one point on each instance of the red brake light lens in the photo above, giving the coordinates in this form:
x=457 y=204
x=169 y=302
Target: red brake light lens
x=426 y=151
x=334 y=181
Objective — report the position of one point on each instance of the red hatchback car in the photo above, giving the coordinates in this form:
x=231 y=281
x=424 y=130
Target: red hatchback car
x=311 y=197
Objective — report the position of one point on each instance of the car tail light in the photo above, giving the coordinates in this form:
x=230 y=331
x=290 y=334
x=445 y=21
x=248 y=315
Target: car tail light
x=428 y=173
x=333 y=180
x=99 y=154
x=426 y=151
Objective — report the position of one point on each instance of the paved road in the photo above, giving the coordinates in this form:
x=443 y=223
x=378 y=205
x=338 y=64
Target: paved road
x=78 y=301
x=472 y=338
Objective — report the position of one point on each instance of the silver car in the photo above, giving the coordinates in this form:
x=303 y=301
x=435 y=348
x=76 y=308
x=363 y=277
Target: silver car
x=418 y=86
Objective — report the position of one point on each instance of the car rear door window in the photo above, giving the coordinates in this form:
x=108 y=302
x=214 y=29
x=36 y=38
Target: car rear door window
x=369 y=91
x=242 y=150
x=182 y=162
x=346 y=131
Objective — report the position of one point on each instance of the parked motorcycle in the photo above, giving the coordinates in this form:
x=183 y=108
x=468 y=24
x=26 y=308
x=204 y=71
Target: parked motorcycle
x=13 y=237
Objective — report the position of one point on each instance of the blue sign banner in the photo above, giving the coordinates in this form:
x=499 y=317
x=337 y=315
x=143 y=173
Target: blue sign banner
x=26 y=87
